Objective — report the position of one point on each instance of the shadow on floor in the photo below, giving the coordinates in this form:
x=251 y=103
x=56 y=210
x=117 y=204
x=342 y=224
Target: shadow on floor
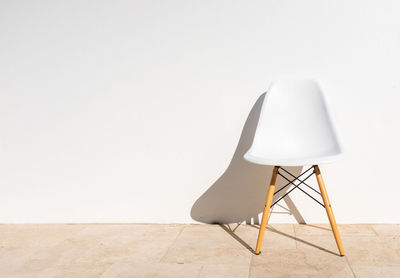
x=231 y=232
x=239 y=194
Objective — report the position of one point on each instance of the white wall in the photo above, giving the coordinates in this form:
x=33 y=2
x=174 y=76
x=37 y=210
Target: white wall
x=128 y=111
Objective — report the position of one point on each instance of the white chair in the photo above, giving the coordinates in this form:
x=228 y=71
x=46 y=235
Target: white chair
x=294 y=129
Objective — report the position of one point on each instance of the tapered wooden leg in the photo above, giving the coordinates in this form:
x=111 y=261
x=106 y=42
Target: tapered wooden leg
x=329 y=210
x=268 y=203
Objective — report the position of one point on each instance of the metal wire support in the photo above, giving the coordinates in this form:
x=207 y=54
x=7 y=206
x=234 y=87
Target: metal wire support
x=291 y=182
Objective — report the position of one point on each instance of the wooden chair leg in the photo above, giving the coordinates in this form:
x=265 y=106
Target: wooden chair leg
x=267 y=208
x=329 y=210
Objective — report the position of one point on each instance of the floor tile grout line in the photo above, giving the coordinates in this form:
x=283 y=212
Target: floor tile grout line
x=348 y=262
x=201 y=270
x=251 y=260
x=376 y=233
x=295 y=236
x=169 y=247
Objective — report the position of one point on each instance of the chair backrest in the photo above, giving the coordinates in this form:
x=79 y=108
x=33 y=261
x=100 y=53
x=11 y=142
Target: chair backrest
x=294 y=127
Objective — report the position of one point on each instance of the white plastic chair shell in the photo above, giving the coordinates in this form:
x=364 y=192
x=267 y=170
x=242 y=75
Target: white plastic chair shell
x=294 y=127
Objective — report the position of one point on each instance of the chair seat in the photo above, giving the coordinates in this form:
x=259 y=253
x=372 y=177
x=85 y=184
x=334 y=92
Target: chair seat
x=295 y=161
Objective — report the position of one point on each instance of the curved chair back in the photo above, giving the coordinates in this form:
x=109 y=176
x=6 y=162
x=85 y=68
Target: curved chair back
x=294 y=128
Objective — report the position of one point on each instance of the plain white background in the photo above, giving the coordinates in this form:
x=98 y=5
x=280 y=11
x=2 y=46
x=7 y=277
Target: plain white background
x=128 y=111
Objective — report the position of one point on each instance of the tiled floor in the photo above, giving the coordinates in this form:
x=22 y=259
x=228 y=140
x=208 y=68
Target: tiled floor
x=143 y=250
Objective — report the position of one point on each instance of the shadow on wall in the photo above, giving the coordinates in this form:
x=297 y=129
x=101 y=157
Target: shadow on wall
x=239 y=194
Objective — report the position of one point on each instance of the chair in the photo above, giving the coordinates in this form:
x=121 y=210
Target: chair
x=294 y=129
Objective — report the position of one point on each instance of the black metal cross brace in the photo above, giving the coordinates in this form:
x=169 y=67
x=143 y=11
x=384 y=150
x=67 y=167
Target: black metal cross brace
x=291 y=182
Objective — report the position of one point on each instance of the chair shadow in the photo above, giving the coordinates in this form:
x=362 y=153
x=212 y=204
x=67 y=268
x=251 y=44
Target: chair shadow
x=239 y=194
x=231 y=232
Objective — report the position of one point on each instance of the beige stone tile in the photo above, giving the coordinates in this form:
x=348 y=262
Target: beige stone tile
x=126 y=232
x=178 y=270
x=79 y=272
x=356 y=230
x=208 y=256
x=46 y=273
x=206 y=236
x=376 y=271
x=108 y=244
x=224 y=270
x=373 y=257
x=39 y=260
x=304 y=272
x=63 y=258
x=235 y=236
x=371 y=251
x=94 y=247
x=32 y=235
x=299 y=263
x=351 y=244
x=318 y=243
x=129 y=269
x=325 y=229
x=110 y=250
x=12 y=259
x=362 y=242
x=312 y=230
x=279 y=236
x=245 y=235
x=283 y=228
x=46 y=262
x=386 y=229
x=287 y=229
x=392 y=242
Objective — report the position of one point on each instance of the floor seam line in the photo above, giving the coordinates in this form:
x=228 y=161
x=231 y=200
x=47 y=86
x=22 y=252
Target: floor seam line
x=201 y=270
x=166 y=252
x=376 y=233
x=295 y=235
x=352 y=271
x=251 y=261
